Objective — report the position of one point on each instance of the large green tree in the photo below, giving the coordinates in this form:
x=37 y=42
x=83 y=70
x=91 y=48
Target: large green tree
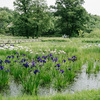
x=32 y=17
x=39 y=17
x=23 y=8
x=5 y=19
x=73 y=16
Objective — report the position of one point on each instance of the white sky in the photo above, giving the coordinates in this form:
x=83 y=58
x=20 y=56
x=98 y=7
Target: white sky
x=92 y=6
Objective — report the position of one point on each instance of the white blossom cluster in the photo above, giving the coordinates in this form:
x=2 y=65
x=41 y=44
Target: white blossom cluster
x=91 y=45
x=17 y=47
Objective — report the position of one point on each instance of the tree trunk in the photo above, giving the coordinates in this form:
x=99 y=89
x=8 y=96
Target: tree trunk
x=37 y=29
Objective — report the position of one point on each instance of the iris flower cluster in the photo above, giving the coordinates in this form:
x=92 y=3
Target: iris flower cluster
x=39 y=61
x=73 y=58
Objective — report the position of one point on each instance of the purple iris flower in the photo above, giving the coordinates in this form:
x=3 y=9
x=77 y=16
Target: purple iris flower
x=23 y=60
x=7 y=61
x=36 y=71
x=58 y=68
x=7 y=70
x=39 y=60
x=23 y=54
x=43 y=61
x=17 y=53
x=51 y=58
x=26 y=65
x=61 y=71
x=12 y=45
x=12 y=56
x=1 y=67
x=69 y=59
x=30 y=70
x=69 y=68
x=40 y=65
x=33 y=62
x=58 y=65
x=33 y=65
x=50 y=54
x=2 y=46
x=18 y=56
x=45 y=57
x=55 y=59
x=15 y=61
x=1 y=61
x=74 y=58
x=8 y=56
x=64 y=60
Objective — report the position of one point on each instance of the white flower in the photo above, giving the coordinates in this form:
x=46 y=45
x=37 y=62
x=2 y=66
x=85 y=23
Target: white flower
x=64 y=52
x=43 y=53
x=30 y=50
x=26 y=50
x=98 y=45
x=2 y=48
x=51 y=51
x=40 y=49
x=58 y=52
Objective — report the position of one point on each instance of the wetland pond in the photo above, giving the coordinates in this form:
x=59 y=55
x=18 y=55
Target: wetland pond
x=83 y=81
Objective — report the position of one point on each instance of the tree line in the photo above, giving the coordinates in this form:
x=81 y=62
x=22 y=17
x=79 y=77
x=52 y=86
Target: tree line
x=33 y=18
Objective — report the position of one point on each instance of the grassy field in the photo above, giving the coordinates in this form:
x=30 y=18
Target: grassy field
x=51 y=63
x=83 y=95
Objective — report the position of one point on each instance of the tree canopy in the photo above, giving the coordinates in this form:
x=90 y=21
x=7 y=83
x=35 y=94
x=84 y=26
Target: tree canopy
x=34 y=18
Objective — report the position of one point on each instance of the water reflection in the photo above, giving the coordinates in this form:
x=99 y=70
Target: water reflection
x=85 y=82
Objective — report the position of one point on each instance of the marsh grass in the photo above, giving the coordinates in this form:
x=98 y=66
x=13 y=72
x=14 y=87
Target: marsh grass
x=4 y=79
x=83 y=95
x=97 y=67
x=49 y=74
x=90 y=66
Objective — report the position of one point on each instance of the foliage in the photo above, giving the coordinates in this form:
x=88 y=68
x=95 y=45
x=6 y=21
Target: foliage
x=93 y=23
x=83 y=95
x=93 y=34
x=73 y=16
x=5 y=19
x=32 y=17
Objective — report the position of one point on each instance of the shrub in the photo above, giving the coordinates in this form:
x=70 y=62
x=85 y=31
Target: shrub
x=94 y=34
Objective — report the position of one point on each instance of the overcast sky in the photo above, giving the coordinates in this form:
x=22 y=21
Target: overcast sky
x=92 y=6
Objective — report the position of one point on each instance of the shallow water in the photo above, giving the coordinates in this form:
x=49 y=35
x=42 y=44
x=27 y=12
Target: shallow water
x=85 y=82
x=15 y=89
x=82 y=82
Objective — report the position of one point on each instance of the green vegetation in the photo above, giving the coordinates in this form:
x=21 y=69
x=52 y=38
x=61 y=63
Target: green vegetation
x=33 y=18
x=84 y=95
x=55 y=61
x=52 y=64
